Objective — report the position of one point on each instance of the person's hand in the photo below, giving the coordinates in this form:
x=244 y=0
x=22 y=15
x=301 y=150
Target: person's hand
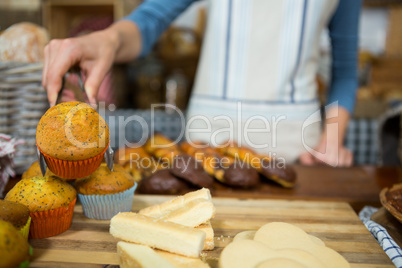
x=93 y=53
x=330 y=154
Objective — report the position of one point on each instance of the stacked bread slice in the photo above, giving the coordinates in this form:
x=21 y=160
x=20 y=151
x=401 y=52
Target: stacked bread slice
x=179 y=226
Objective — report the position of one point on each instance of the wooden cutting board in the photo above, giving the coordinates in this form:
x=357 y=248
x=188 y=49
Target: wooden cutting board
x=88 y=242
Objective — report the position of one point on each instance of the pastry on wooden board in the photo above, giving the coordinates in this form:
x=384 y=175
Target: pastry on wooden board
x=391 y=199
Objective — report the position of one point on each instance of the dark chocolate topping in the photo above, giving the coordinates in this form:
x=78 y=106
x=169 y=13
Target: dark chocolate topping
x=187 y=168
x=162 y=182
x=240 y=175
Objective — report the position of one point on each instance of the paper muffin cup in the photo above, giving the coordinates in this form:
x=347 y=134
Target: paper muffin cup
x=51 y=222
x=73 y=169
x=104 y=207
x=25 y=230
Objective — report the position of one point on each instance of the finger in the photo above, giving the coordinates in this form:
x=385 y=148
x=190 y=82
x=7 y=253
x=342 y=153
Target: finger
x=342 y=157
x=351 y=159
x=306 y=159
x=348 y=161
x=45 y=65
x=62 y=57
x=94 y=80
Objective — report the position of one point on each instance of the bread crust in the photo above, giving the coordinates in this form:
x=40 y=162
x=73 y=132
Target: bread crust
x=156 y=233
x=159 y=210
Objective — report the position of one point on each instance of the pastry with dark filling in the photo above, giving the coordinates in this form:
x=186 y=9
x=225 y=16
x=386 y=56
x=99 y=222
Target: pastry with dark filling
x=187 y=168
x=284 y=176
x=391 y=199
x=162 y=182
x=238 y=175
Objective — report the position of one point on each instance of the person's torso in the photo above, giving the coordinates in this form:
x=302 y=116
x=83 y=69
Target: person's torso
x=263 y=53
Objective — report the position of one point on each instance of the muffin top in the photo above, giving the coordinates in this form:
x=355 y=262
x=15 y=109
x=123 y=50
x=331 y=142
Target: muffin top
x=34 y=171
x=42 y=193
x=14 y=247
x=72 y=131
x=103 y=181
x=13 y=212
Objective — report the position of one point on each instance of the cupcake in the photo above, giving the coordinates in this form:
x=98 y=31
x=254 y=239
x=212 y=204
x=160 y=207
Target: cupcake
x=34 y=171
x=14 y=248
x=73 y=138
x=17 y=214
x=105 y=193
x=50 y=201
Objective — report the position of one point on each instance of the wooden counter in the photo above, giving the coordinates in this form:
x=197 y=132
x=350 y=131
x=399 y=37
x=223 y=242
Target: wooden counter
x=358 y=186
x=88 y=242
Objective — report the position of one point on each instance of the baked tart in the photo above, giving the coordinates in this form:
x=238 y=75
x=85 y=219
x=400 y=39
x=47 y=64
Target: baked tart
x=391 y=199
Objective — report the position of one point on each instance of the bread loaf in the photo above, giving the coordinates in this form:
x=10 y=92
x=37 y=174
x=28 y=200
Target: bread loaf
x=157 y=233
x=23 y=42
x=159 y=210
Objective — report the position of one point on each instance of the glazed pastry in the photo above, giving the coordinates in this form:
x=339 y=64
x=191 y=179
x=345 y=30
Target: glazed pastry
x=136 y=161
x=159 y=141
x=238 y=175
x=224 y=168
x=162 y=182
x=190 y=170
x=284 y=176
x=391 y=199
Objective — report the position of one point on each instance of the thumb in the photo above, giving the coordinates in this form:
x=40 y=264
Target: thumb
x=306 y=159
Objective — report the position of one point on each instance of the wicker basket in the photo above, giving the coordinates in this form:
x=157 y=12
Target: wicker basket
x=23 y=101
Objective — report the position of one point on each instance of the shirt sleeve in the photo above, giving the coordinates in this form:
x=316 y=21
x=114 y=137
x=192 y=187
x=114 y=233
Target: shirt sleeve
x=343 y=32
x=153 y=17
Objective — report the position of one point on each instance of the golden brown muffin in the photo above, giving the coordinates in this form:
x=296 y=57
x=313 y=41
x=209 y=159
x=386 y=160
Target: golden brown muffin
x=15 y=213
x=103 y=181
x=72 y=131
x=34 y=171
x=14 y=248
x=42 y=193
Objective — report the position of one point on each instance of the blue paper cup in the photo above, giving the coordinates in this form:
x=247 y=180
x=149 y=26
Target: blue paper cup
x=104 y=207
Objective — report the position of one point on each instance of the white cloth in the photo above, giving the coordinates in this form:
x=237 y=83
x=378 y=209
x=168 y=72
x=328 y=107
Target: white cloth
x=263 y=54
x=391 y=248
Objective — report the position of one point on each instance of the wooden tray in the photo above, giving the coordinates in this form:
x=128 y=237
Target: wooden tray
x=88 y=242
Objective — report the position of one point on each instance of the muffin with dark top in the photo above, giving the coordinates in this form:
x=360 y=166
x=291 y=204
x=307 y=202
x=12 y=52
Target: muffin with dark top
x=50 y=201
x=14 y=248
x=105 y=193
x=73 y=138
x=17 y=214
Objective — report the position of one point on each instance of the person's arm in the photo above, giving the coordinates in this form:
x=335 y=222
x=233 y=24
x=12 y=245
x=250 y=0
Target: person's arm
x=95 y=53
x=343 y=31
